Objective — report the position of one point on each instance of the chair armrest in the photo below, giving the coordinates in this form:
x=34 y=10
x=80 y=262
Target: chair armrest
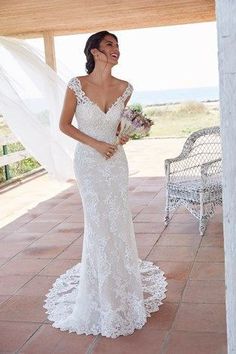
x=211 y=169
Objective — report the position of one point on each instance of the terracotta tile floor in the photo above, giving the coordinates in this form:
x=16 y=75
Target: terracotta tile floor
x=42 y=245
x=46 y=240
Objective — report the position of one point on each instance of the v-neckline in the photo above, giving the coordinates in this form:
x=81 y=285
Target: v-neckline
x=95 y=104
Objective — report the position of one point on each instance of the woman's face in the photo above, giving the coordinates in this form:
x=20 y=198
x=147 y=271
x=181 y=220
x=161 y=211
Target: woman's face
x=110 y=48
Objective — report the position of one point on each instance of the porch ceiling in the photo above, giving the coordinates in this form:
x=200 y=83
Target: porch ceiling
x=32 y=17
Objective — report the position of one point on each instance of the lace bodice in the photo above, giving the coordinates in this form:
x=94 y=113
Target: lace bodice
x=91 y=120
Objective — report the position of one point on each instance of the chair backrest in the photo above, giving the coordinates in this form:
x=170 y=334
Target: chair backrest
x=201 y=146
x=204 y=145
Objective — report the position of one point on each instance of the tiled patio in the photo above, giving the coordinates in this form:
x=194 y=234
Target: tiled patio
x=46 y=240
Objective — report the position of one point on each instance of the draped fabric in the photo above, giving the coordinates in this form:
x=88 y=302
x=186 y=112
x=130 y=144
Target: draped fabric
x=31 y=99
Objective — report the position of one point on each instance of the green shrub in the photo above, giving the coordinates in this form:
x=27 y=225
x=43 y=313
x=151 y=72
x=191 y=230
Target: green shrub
x=137 y=106
x=23 y=166
x=20 y=167
x=2 y=175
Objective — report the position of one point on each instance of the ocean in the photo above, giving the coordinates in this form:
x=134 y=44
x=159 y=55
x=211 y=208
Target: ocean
x=174 y=96
x=153 y=97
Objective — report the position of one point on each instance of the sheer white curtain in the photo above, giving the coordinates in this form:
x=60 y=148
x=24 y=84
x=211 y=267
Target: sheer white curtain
x=31 y=98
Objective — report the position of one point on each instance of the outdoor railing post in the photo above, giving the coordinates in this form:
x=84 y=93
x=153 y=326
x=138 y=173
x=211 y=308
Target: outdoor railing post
x=6 y=167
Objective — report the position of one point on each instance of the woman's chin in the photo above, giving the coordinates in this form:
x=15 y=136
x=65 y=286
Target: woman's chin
x=114 y=62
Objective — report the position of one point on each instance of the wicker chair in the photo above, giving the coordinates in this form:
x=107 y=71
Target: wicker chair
x=193 y=179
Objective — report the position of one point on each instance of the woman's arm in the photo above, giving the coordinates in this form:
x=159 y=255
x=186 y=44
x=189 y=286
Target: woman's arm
x=67 y=114
x=67 y=128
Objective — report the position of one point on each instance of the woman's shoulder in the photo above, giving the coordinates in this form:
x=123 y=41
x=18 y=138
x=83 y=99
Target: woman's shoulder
x=72 y=81
x=123 y=84
x=78 y=79
x=74 y=84
x=126 y=89
x=82 y=78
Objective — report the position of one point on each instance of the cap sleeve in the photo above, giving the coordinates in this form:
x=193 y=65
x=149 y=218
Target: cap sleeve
x=73 y=84
x=128 y=92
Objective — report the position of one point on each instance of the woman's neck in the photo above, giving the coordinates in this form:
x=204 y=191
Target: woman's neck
x=101 y=74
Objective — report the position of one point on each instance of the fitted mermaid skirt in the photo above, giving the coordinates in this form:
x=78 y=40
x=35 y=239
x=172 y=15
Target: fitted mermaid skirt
x=111 y=291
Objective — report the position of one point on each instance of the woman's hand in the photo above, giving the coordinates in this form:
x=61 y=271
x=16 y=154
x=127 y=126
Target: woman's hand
x=123 y=139
x=107 y=150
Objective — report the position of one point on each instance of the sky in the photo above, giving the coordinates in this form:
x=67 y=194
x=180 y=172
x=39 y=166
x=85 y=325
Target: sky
x=159 y=58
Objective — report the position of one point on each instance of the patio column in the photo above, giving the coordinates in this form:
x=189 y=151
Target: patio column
x=49 y=49
x=226 y=25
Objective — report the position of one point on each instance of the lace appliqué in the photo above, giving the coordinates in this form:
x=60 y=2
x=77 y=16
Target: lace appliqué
x=61 y=300
x=75 y=85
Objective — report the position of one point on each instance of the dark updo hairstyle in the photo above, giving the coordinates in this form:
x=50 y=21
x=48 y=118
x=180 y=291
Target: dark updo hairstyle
x=94 y=42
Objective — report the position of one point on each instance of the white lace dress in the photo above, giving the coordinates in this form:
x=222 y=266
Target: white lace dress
x=111 y=292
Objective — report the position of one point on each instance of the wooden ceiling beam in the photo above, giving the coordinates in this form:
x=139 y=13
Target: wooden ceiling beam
x=29 y=18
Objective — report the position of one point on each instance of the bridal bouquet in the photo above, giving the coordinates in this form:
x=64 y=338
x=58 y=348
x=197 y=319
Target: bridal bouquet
x=134 y=122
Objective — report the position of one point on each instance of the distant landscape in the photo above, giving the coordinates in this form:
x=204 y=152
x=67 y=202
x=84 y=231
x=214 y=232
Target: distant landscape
x=170 y=120
x=180 y=120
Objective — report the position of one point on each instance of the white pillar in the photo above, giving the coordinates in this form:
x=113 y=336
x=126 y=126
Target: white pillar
x=226 y=25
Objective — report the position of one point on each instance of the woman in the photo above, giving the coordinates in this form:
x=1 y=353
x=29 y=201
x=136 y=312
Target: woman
x=104 y=294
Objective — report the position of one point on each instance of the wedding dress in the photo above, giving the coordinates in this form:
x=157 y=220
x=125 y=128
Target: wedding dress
x=111 y=292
